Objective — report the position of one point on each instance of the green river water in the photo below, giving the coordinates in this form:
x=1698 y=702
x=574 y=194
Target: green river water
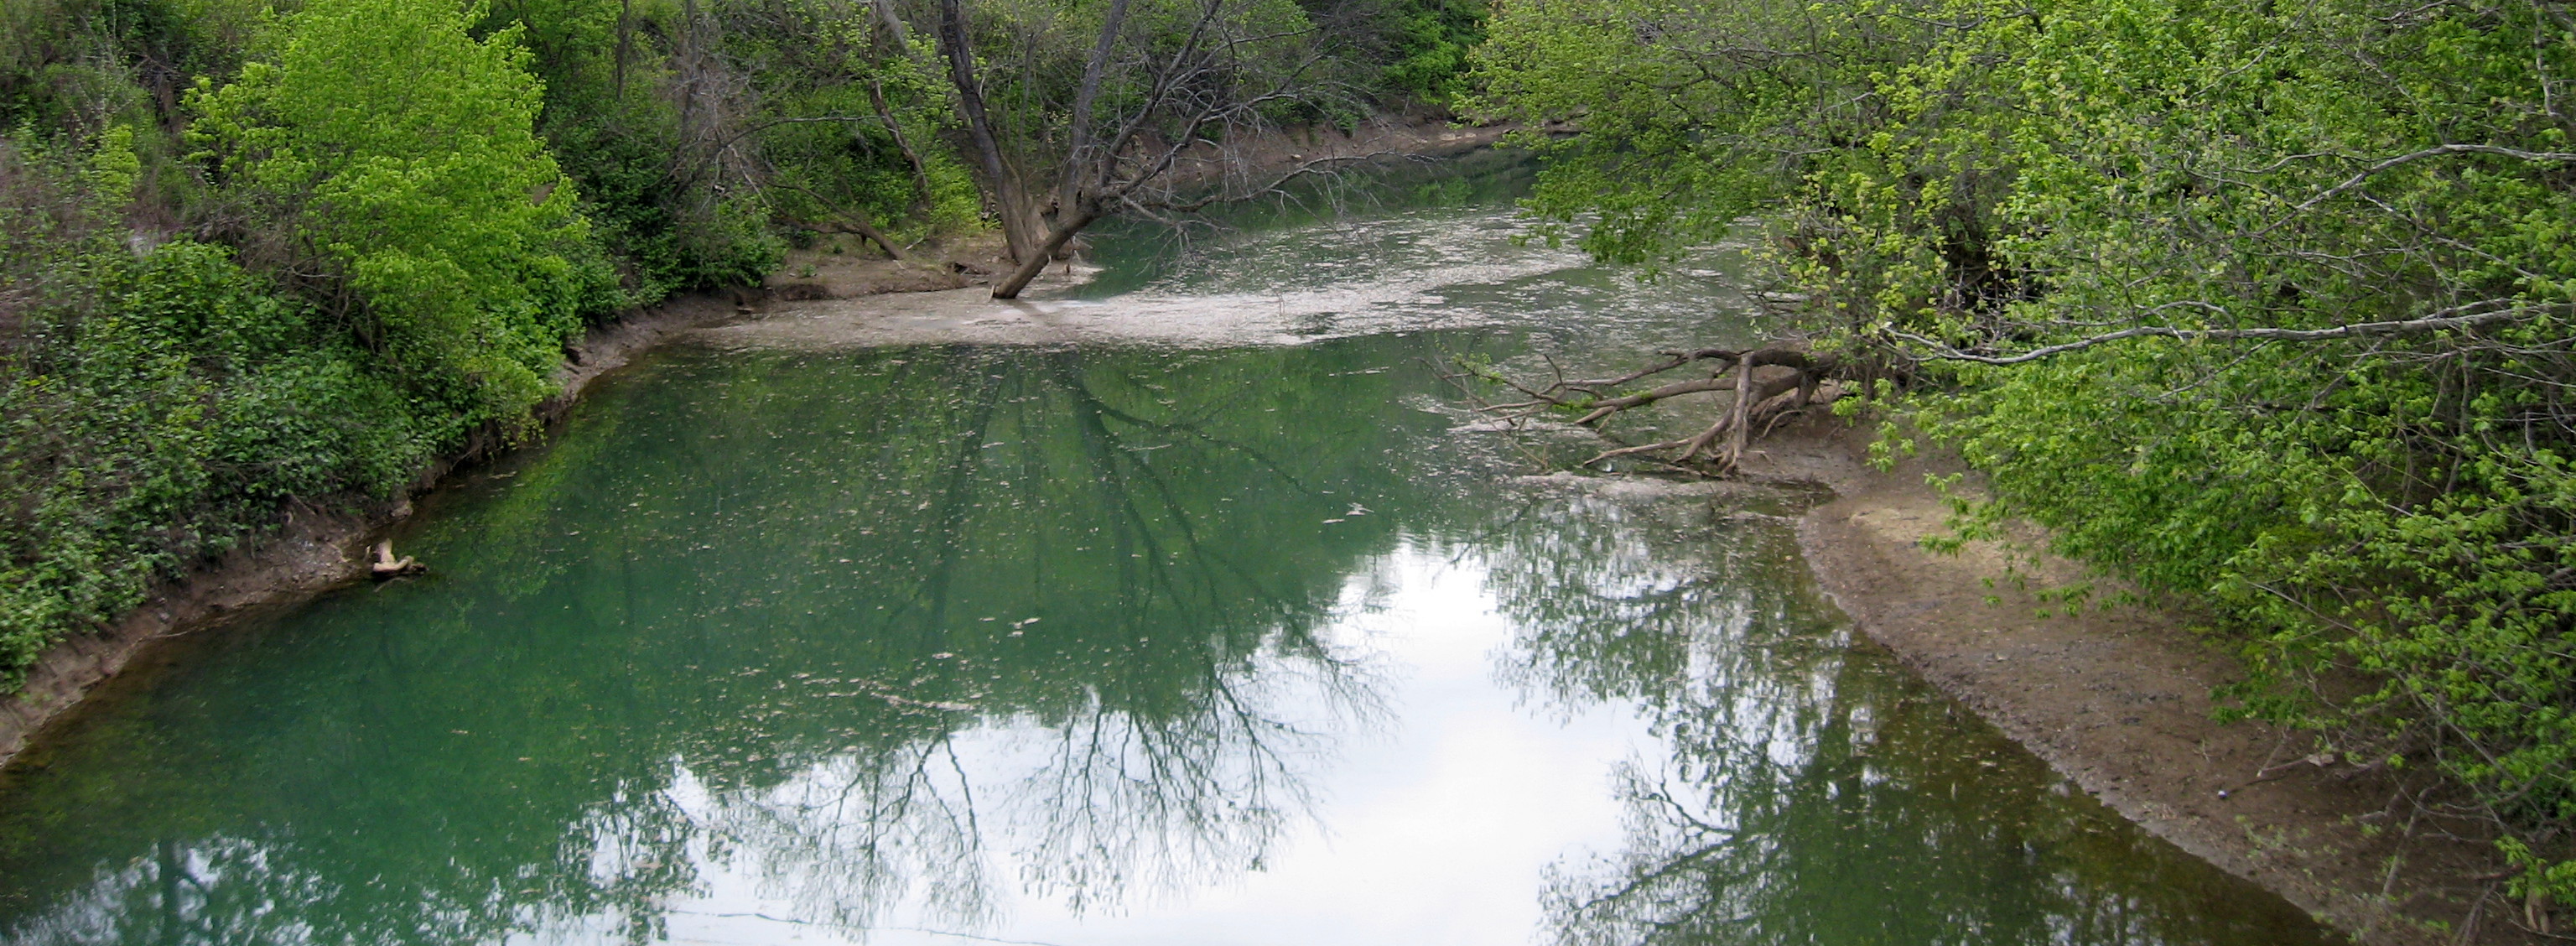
x=1182 y=607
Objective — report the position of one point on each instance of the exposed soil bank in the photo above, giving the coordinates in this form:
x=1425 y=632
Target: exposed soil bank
x=2118 y=701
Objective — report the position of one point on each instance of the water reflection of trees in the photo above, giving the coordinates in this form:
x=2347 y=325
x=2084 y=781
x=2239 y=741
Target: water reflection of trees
x=752 y=619
x=1808 y=792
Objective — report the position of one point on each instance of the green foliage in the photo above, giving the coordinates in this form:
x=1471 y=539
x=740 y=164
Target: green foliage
x=158 y=406
x=1947 y=178
x=404 y=152
x=852 y=124
x=617 y=116
x=1429 y=42
x=165 y=400
x=1667 y=160
x=380 y=220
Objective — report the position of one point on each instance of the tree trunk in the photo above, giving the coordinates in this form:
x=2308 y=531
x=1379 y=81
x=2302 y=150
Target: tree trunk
x=625 y=44
x=1077 y=160
x=1742 y=415
x=1009 y=201
x=1065 y=230
x=894 y=26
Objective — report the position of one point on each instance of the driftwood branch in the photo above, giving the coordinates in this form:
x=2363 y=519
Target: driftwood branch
x=1603 y=409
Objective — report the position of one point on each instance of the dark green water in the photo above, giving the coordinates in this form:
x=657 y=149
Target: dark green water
x=1173 y=644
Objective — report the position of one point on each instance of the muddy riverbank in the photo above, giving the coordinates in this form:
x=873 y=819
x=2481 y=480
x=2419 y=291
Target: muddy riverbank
x=2117 y=699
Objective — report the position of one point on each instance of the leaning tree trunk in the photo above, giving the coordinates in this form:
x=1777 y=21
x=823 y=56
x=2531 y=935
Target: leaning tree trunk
x=1073 y=209
x=856 y=223
x=1019 y=278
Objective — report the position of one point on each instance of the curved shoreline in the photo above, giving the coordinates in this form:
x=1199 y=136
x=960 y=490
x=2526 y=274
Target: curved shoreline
x=321 y=544
x=2116 y=698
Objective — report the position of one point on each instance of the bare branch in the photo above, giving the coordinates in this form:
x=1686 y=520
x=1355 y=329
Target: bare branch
x=2433 y=152
x=2456 y=317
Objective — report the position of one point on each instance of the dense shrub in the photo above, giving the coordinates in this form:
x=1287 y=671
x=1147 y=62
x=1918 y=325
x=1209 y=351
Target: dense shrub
x=158 y=406
x=415 y=265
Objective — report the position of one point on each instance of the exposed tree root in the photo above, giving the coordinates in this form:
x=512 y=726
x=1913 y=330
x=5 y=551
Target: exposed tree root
x=1763 y=386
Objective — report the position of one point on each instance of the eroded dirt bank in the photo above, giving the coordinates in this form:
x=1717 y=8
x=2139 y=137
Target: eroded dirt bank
x=2118 y=701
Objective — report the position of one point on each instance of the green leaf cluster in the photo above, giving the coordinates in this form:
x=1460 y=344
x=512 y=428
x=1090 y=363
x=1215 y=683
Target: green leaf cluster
x=159 y=406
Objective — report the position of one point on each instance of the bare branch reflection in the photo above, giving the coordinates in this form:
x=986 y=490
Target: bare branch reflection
x=869 y=666
x=1805 y=790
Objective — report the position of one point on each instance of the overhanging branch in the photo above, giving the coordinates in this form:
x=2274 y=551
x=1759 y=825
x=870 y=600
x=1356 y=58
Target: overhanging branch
x=2456 y=317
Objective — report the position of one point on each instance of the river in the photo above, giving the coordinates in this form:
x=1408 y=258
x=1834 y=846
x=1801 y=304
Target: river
x=1183 y=604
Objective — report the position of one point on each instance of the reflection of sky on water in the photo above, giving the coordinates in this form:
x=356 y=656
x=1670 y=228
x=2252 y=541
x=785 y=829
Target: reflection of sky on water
x=1406 y=842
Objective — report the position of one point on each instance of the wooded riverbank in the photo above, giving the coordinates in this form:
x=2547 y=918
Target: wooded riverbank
x=734 y=590
x=321 y=543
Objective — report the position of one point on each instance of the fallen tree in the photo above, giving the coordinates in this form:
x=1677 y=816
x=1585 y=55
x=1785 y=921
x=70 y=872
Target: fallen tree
x=1763 y=386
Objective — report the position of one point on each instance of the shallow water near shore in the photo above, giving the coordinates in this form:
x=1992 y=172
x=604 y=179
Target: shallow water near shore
x=1183 y=605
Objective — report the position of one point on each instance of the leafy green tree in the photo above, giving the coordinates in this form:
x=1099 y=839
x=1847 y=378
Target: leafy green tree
x=402 y=152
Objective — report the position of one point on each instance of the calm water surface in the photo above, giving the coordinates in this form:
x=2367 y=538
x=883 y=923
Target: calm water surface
x=784 y=640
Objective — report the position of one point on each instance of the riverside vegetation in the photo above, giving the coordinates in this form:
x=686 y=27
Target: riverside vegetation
x=2265 y=306
x=256 y=254
x=2262 y=306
